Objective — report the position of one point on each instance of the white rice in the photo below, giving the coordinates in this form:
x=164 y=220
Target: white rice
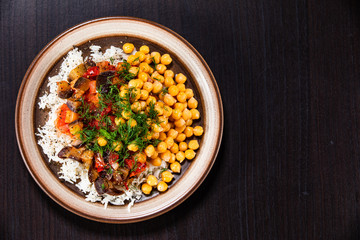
x=52 y=141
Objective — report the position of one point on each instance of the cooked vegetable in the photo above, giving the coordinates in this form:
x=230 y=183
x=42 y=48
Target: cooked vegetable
x=82 y=84
x=73 y=104
x=64 y=90
x=72 y=152
x=77 y=72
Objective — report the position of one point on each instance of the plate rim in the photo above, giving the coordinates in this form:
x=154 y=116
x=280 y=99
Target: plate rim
x=20 y=140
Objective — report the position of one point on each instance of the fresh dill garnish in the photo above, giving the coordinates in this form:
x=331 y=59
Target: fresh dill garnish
x=153 y=113
x=154 y=62
x=124 y=73
x=112 y=60
x=164 y=90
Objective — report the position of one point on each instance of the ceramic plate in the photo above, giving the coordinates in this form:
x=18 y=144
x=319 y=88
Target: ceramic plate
x=108 y=32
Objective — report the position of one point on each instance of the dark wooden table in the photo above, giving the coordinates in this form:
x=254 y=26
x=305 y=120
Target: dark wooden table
x=289 y=163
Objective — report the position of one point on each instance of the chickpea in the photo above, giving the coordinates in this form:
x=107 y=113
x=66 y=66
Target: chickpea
x=101 y=141
x=176 y=114
x=180 y=78
x=133 y=147
x=162 y=186
x=151 y=99
x=157 y=87
x=192 y=103
x=135 y=94
x=155 y=155
x=133 y=60
x=126 y=114
x=169 y=73
x=180 y=122
x=145 y=49
x=119 y=121
x=186 y=114
x=165 y=156
x=166 y=176
x=157 y=128
x=144 y=67
x=149 y=150
x=134 y=70
x=183 y=146
x=156 y=161
x=169 y=100
x=148 y=59
x=160 y=68
x=156 y=76
x=190 y=154
x=169 y=81
x=181 y=97
x=173 y=90
x=180 y=106
x=181 y=137
x=155 y=56
x=143 y=76
x=146 y=188
x=172 y=133
x=140 y=157
x=123 y=93
x=172 y=158
x=117 y=145
x=193 y=144
x=181 y=87
x=195 y=114
x=142 y=105
x=140 y=55
x=175 y=167
x=180 y=129
x=189 y=122
x=189 y=93
x=161 y=147
x=198 y=131
x=174 y=148
x=128 y=47
x=188 y=131
x=167 y=127
x=136 y=107
x=144 y=94
x=163 y=121
x=148 y=86
x=169 y=141
x=180 y=156
x=152 y=180
x=162 y=136
x=166 y=59
x=155 y=135
x=167 y=110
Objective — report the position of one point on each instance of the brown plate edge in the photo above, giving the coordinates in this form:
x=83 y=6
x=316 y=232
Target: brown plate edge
x=188 y=193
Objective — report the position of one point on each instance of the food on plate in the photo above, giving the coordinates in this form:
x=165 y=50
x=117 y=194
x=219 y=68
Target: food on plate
x=121 y=122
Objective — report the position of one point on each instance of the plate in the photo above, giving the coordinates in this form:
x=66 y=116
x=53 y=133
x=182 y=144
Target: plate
x=106 y=32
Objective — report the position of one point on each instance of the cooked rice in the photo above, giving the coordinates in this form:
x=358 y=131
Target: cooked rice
x=52 y=142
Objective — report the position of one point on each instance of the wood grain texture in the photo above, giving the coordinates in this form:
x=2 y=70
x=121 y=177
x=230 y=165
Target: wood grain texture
x=289 y=75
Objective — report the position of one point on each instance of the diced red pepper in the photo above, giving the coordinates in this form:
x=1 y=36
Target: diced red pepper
x=60 y=120
x=92 y=72
x=106 y=110
x=140 y=167
x=99 y=162
x=113 y=157
x=96 y=124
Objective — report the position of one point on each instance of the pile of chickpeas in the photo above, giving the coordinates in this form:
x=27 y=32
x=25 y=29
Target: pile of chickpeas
x=176 y=107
